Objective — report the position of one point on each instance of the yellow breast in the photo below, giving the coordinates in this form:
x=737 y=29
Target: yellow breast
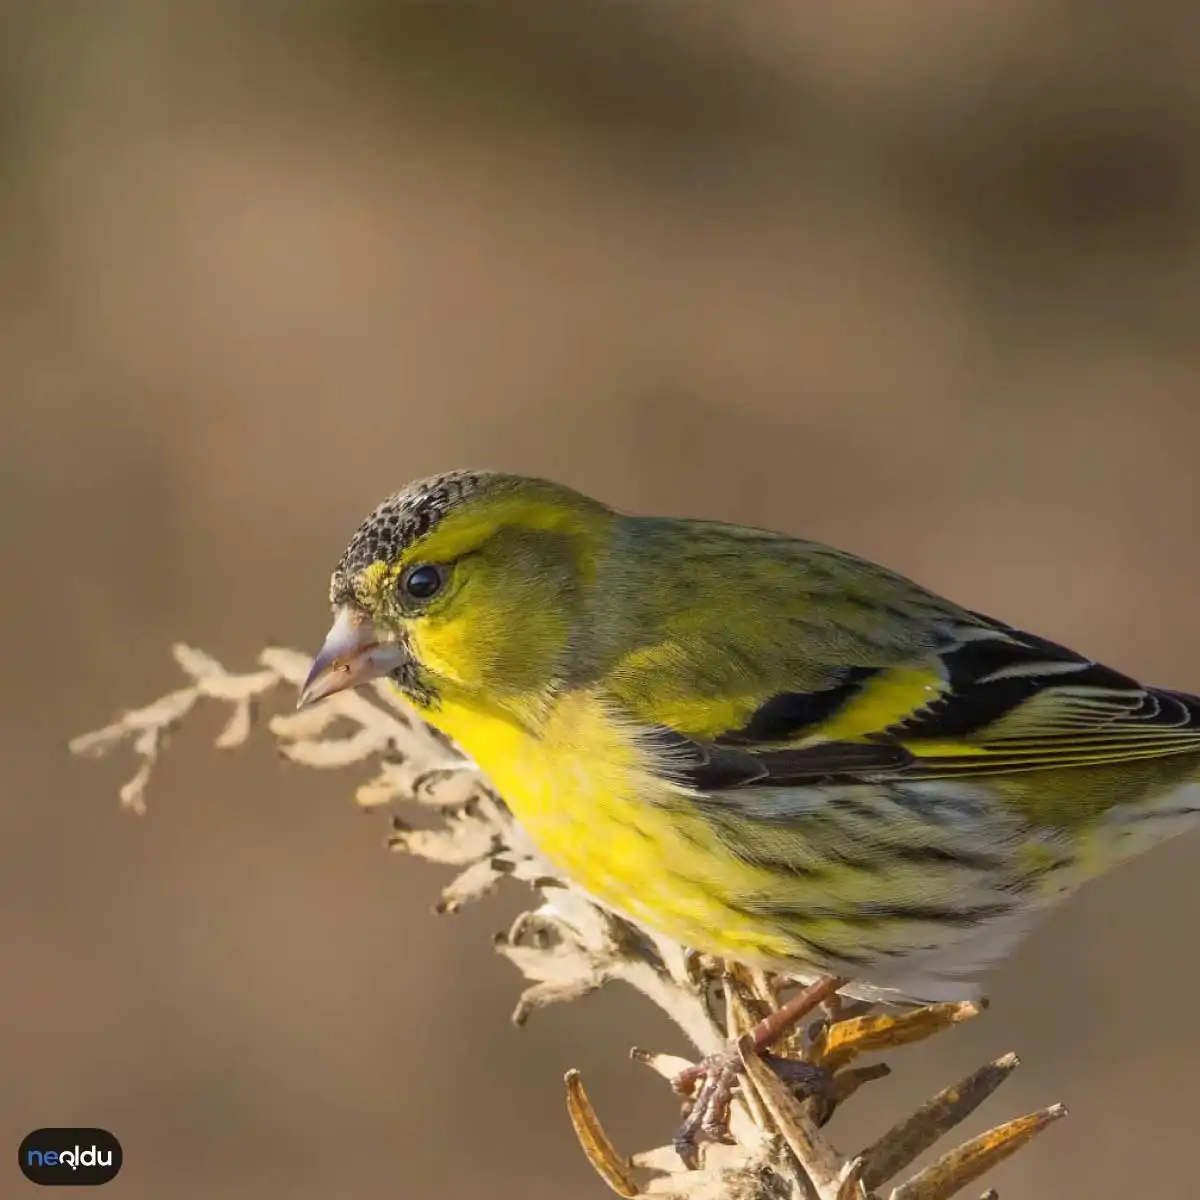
x=579 y=785
x=587 y=795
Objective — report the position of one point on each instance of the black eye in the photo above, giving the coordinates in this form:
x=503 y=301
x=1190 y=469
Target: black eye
x=421 y=582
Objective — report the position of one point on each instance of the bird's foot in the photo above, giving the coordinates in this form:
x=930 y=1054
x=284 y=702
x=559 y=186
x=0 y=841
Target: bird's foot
x=710 y=1086
x=710 y=1083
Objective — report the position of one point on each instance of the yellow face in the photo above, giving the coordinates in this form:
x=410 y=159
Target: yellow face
x=476 y=601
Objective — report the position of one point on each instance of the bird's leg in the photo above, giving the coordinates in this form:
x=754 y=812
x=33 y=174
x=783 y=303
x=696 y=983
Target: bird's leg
x=710 y=1083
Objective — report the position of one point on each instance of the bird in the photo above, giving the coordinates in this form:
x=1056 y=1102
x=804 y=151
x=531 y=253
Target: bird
x=765 y=748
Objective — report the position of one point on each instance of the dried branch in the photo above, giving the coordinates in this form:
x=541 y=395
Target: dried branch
x=569 y=946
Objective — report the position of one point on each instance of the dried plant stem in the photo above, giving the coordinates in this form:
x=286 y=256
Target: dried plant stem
x=568 y=946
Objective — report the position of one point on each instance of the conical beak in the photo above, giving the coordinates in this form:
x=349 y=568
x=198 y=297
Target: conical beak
x=352 y=655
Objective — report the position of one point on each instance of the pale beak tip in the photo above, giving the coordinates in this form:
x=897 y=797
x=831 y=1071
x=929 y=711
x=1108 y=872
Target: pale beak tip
x=310 y=691
x=350 y=656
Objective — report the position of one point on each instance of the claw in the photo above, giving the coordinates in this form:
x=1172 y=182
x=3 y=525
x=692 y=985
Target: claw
x=711 y=1084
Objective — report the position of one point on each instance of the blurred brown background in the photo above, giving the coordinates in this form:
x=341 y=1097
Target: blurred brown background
x=918 y=278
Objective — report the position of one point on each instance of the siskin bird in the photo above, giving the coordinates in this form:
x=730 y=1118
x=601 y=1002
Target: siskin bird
x=762 y=747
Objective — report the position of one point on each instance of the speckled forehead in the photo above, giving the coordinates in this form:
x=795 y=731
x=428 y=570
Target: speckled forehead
x=399 y=521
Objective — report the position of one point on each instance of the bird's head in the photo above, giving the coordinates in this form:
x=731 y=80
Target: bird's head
x=469 y=584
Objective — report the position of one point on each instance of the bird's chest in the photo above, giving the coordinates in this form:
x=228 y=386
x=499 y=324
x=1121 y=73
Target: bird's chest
x=582 y=790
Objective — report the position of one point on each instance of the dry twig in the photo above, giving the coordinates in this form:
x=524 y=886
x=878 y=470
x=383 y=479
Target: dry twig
x=568 y=946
